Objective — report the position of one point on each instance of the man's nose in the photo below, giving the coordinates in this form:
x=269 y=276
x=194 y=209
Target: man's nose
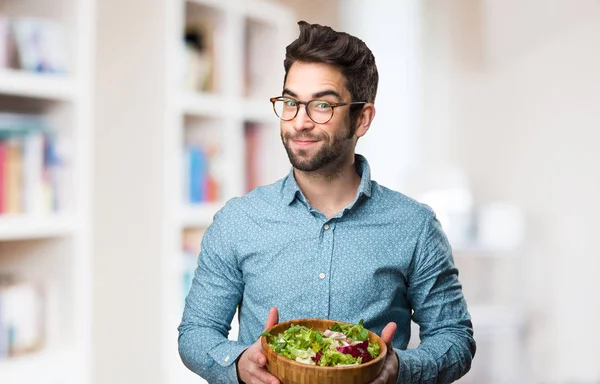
x=302 y=121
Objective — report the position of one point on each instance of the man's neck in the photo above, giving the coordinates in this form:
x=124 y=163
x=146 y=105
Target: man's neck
x=329 y=191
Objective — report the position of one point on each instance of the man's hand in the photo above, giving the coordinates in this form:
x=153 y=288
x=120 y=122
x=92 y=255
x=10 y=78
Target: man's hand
x=250 y=365
x=389 y=372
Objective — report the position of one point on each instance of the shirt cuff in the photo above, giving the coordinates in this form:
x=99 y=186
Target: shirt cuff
x=225 y=354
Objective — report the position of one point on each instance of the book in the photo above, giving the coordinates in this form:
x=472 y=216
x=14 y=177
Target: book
x=33 y=174
x=199 y=56
x=4 y=42
x=198 y=173
x=21 y=318
x=3 y=187
x=12 y=177
x=41 y=45
x=31 y=166
x=252 y=147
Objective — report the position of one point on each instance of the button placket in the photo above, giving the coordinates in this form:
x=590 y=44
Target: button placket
x=327 y=232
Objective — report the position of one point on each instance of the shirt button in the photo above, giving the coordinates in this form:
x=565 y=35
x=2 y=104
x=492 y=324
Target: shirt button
x=326 y=226
x=226 y=359
x=322 y=275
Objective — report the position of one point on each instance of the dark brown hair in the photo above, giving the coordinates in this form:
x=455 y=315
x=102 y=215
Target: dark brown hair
x=321 y=44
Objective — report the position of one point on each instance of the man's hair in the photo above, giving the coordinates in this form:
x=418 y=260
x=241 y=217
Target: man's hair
x=321 y=44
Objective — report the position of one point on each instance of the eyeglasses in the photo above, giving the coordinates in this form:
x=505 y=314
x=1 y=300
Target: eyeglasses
x=318 y=111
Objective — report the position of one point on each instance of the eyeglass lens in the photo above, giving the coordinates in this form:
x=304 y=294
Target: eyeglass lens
x=319 y=111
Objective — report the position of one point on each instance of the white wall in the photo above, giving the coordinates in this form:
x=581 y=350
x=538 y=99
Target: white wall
x=391 y=29
x=508 y=91
x=523 y=108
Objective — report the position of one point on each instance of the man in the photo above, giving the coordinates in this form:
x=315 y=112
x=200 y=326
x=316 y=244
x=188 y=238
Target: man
x=326 y=241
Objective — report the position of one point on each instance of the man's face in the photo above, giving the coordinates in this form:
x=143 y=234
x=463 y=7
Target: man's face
x=311 y=146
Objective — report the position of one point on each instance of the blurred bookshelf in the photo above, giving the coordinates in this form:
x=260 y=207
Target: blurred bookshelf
x=45 y=252
x=226 y=61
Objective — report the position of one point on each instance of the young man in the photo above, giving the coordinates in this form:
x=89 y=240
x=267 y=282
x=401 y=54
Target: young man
x=326 y=241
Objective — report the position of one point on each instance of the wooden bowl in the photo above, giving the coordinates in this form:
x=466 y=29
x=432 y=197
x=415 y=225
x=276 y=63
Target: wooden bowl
x=292 y=372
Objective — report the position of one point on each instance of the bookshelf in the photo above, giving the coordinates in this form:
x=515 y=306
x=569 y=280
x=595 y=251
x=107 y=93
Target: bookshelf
x=159 y=123
x=46 y=247
x=246 y=51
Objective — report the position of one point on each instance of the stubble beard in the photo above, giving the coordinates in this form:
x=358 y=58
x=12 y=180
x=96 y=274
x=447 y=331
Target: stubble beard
x=330 y=153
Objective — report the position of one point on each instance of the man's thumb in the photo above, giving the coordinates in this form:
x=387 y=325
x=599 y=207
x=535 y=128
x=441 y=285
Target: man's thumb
x=273 y=318
x=387 y=334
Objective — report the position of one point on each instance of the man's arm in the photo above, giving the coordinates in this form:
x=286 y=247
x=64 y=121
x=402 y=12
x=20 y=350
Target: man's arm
x=447 y=345
x=209 y=308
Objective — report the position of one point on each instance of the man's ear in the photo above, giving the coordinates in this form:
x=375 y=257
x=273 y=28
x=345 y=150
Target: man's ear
x=364 y=119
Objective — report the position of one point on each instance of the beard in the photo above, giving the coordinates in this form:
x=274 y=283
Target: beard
x=333 y=148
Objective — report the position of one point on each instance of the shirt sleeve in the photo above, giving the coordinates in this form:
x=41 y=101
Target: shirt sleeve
x=209 y=308
x=447 y=346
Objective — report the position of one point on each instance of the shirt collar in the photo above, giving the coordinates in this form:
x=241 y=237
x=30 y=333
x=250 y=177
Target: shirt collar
x=291 y=190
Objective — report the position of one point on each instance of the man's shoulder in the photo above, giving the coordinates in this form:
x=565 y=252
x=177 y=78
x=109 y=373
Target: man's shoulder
x=400 y=204
x=257 y=200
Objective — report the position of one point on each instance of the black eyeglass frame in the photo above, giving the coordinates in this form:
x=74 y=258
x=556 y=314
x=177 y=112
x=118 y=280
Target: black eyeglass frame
x=305 y=103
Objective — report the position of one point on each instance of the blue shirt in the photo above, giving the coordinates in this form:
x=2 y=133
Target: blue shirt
x=383 y=258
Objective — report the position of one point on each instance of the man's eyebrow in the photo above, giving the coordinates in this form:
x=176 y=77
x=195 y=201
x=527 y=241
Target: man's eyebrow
x=315 y=95
x=285 y=90
x=327 y=93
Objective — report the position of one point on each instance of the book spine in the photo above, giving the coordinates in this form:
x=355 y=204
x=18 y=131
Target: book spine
x=197 y=175
x=51 y=172
x=3 y=177
x=33 y=168
x=13 y=179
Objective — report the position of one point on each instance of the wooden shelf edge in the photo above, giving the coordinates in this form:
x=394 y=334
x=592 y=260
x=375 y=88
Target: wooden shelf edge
x=23 y=227
x=37 y=85
x=200 y=215
x=49 y=365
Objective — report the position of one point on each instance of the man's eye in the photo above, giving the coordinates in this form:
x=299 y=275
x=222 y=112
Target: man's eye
x=290 y=103
x=322 y=105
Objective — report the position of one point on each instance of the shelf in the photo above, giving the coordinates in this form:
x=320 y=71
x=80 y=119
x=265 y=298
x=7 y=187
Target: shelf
x=200 y=215
x=259 y=110
x=37 y=85
x=216 y=4
x=49 y=366
x=204 y=104
x=212 y=105
x=20 y=227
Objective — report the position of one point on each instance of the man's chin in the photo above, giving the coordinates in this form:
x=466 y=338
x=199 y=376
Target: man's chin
x=304 y=165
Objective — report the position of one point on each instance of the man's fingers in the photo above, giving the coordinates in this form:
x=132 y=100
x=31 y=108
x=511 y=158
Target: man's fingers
x=256 y=357
x=387 y=335
x=273 y=318
x=264 y=377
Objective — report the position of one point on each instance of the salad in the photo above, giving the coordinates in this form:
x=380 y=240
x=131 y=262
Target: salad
x=341 y=344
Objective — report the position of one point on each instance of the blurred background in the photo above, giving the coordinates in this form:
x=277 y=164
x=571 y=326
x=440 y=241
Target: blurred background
x=126 y=124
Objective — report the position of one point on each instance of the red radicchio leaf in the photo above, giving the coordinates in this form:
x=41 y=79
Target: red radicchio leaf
x=357 y=350
x=316 y=358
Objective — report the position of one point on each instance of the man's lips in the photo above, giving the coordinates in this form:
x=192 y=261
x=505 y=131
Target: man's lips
x=304 y=142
